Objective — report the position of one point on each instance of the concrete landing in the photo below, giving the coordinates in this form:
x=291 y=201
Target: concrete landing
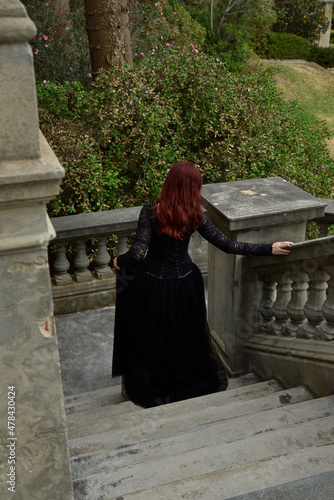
x=87 y=336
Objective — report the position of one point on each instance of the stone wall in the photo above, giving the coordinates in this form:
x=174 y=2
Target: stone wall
x=34 y=461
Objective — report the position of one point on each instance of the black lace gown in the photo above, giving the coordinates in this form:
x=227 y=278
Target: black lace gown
x=161 y=340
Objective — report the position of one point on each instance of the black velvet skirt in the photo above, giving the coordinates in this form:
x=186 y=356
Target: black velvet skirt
x=161 y=338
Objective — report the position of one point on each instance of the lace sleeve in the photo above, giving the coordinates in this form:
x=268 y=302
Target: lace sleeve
x=142 y=240
x=213 y=235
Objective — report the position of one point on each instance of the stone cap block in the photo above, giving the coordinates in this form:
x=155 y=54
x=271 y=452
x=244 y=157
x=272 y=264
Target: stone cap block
x=96 y=223
x=30 y=180
x=259 y=203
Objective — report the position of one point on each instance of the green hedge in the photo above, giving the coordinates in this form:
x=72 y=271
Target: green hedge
x=324 y=56
x=118 y=139
x=287 y=46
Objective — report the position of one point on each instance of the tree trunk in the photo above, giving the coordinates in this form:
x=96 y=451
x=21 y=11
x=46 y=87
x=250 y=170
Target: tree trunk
x=62 y=23
x=61 y=8
x=108 y=33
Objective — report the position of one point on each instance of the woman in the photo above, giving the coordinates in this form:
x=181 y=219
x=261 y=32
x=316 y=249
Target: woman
x=161 y=343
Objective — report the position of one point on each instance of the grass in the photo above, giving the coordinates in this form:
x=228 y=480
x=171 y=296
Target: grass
x=313 y=87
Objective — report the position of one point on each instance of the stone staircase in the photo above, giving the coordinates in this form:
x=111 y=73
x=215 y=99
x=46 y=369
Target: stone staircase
x=254 y=441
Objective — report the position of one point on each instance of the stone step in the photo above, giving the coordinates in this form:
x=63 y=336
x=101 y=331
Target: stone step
x=242 y=380
x=94 y=399
x=210 y=459
x=319 y=486
x=108 y=396
x=102 y=414
x=88 y=422
x=221 y=432
x=183 y=416
x=240 y=480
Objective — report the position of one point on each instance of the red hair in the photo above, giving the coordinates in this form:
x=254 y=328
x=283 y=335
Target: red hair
x=179 y=208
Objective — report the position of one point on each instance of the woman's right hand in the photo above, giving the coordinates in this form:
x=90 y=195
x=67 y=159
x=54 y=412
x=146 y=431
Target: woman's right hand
x=281 y=247
x=116 y=265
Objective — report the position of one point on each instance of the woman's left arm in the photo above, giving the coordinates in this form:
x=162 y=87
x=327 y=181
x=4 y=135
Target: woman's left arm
x=141 y=242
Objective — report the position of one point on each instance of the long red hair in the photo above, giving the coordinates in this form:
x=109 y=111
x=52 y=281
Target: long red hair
x=179 y=208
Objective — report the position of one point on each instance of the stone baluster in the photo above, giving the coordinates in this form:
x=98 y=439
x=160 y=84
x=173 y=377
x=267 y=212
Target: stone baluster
x=122 y=243
x=295 y=307
x=279 y=311
x=61 y=265
x=102 y=259
x=81 y=263
x=313 y=307
x=325 y=331
x=267 y=300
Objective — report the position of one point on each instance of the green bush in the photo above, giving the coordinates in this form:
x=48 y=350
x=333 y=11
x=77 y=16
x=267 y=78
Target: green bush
x=118 y=139
x=305 y=18
x=157 y=26
x=287 y=46
x=324 y=56
x=60 y=54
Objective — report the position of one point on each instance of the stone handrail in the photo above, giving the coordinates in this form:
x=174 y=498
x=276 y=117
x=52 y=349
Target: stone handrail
x=82 y=257
x=298 y=291
x=328 y=218
x=78 y=229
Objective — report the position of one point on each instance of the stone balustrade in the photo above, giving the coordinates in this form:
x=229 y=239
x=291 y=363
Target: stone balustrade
x=77 y=230
x=254 y=303
x=298 y=291
x=327 y=219
x=86 y=268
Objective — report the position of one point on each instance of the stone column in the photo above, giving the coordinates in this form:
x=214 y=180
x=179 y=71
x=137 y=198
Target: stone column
x=325 y=38
x=35 y=460
x=255 y=211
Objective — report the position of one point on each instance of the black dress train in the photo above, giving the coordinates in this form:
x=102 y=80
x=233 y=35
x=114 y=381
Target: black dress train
x=161 y=341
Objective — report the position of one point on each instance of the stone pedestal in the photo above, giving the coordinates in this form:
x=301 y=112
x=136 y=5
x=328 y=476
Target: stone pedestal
x=35 y=460
x=254 y=211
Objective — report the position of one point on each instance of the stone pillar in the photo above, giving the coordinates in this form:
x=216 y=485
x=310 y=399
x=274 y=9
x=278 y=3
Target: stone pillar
x=35 y=460
x=254 y=211
x=325 y=38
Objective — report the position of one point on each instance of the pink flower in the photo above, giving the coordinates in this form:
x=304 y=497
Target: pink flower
x=167 y=44
x=137 y=4
x=46 y=45
x=45 y=37
x=46 y=4
x=36 y=52
x=142 y=54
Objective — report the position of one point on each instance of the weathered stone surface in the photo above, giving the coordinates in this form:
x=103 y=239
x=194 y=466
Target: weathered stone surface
x=255 y=211
x=29 y=361
x=257 y=203
x=18 y=111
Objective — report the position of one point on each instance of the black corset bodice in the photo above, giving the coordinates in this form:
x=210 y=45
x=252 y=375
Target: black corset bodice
x=166 y=257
